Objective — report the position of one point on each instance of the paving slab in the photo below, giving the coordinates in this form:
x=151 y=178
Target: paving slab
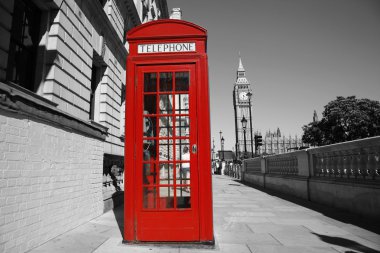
x=289 y=249
x=246 y=220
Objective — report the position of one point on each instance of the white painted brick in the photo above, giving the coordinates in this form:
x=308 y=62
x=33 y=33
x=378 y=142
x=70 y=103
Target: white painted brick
x=9 y=209
x=13 y=147
x=17 y=122
x=9 y=245
x=11 y=183
x=3 y=119
x=4 y=147
x=11 y=174
x=33 y=192
x=2 y=136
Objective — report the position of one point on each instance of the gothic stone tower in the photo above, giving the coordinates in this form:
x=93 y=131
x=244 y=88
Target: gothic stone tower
x=242 y=94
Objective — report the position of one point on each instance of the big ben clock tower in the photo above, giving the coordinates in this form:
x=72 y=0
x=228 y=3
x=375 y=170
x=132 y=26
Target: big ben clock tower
x=242 y=95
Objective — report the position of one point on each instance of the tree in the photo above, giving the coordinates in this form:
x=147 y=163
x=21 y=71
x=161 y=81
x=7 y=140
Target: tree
x=312 y=134
x=344 y=119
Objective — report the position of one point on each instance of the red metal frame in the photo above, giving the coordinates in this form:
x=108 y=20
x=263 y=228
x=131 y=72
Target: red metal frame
x=143 y=225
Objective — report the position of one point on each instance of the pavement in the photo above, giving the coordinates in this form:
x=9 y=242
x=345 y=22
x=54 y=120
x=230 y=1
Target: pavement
x=246 y=220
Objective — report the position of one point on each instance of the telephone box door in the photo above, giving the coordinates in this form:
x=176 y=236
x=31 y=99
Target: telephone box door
x=167 y=173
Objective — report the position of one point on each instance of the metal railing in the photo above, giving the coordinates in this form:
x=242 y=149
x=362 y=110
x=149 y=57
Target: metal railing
x=282 y=164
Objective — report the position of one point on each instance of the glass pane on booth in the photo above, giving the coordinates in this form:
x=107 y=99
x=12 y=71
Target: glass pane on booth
x=166 y=126
x=183 y=197
x=166 y=198
x=182 y=126
x=150 y=197
x=150 y=82
x=149 y=150
x=150 y=105
x=166 y=104
x=183 y=175
x=182 y=103
x=182 y=150
x=182 y=81
x=166 y=150
x=149 y=174
x=166 y=81
x=149 y=127
x=166 y=173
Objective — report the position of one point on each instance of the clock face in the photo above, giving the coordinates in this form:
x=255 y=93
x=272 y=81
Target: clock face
x=243 y=96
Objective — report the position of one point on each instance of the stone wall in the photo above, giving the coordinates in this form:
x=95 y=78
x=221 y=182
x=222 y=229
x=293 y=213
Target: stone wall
x=49 y=179
x=344 y=175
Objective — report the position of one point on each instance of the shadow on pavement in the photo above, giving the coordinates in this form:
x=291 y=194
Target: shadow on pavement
x=346 y=243
x=336 y=214
x=118 y=211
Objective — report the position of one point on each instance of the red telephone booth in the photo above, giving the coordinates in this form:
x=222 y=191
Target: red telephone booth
x=168 y=191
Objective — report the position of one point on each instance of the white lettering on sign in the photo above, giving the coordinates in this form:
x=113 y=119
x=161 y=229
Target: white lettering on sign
x=166 y=48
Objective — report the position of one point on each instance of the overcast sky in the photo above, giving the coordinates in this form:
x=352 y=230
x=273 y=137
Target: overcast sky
x=298 y=56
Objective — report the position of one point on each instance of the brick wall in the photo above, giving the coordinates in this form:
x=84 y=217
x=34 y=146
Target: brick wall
x=50 y=181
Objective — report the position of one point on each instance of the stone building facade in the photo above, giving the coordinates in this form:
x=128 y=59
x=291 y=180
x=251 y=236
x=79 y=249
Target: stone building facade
x=62 y=85
x=276 y=143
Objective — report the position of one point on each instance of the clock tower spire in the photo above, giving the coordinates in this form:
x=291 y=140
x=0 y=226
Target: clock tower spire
x=242 y=95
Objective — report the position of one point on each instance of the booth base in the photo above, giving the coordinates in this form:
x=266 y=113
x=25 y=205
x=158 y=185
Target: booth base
x=192 y=245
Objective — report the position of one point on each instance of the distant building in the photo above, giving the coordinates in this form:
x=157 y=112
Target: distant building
x=226 y=155
x=275 y=143
x=315 y=116
x=62 y=92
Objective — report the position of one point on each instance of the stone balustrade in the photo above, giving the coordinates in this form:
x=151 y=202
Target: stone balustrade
x=343 y=175
x=350 y=160
x=253 y=165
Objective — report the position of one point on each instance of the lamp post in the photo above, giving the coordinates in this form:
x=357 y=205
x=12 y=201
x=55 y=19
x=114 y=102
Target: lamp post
x=244 y=125
x=220 y=137
x=222 y=144
x=249 y=94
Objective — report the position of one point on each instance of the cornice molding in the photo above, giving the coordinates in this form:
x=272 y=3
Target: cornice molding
x=15 y=99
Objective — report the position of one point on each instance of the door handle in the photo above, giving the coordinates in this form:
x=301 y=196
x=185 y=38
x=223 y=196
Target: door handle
x=194 y=149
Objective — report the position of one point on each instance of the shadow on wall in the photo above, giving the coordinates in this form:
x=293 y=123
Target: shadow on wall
x=363 y=222
x=343 y=242
x=119 y=211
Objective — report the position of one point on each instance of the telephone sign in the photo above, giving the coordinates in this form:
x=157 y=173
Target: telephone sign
x=166 y=48
x=168 y=192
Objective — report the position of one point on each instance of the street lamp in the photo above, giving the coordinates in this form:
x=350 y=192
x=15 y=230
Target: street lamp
x=249 y=94
x=222 y=144
x=220 y=137
x=244 y=125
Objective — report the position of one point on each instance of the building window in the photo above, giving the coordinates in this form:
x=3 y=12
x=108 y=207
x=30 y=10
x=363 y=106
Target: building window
x=25 y=37
x=122 y=111
x=94 y=98
x=102 y=2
